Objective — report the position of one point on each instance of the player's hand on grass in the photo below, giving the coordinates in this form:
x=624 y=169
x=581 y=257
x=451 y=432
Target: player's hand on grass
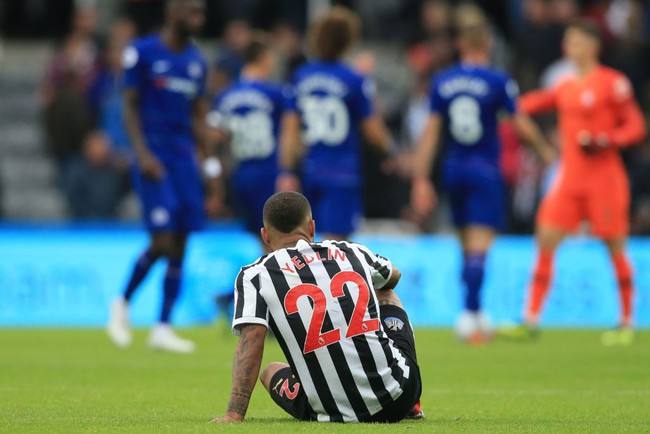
x=592 y=143
x=423 y=196
x=150 y=166
x=228 y=418
x=287 y=182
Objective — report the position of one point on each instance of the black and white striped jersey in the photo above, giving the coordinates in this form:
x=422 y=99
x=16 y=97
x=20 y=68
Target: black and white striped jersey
x=319 y=301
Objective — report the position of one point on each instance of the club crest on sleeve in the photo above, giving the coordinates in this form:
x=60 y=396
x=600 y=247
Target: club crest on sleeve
x=160 y=66
x=394 y=324
x=588 y=98
x=159 y=216
x=195 y=70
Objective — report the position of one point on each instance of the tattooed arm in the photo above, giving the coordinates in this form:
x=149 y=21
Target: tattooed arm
x=246 y=368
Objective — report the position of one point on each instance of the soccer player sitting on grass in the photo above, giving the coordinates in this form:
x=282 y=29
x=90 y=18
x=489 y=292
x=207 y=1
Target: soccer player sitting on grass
x=347 y=339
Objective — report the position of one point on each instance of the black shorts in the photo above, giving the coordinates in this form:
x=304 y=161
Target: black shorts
x=288 y=393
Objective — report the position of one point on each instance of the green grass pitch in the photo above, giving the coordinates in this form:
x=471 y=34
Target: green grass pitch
x=75 y=381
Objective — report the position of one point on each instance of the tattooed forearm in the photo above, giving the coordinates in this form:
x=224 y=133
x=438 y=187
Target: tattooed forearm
x=246 y=368
x=238 y=402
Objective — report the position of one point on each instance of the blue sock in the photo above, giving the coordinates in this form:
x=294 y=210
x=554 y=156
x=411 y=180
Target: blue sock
x=140 y=270
x=172 y=286
x=473 y=270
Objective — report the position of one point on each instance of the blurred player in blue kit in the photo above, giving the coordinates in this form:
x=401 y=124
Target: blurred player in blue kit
x=164 y=114
x=332 y=105
x=466 y=102
x=248 y=116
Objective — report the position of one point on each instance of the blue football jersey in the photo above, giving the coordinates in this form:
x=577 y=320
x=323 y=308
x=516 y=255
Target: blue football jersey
x=251 y=111
x=332 y=100
x=470 y=98
x=168 y=84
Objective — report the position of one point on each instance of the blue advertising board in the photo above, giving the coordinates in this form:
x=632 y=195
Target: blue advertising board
x=68 y=276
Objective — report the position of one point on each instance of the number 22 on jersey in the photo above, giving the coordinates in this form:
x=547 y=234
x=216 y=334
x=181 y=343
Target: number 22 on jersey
x=315 y=337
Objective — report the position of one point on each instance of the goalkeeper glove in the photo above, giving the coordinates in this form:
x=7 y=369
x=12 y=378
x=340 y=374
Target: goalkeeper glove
x=593 y=143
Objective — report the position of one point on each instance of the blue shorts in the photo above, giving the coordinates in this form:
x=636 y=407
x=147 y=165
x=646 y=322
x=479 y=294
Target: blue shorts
x=176 y=202
x=337 y=209
x=476 y=194
x=252 y=189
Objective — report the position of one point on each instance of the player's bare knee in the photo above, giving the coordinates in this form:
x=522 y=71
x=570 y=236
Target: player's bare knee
x=269 y=371
x=265 y=377
x=477 y=239
x=548 y=239
x=615 y=246
x=163 y=245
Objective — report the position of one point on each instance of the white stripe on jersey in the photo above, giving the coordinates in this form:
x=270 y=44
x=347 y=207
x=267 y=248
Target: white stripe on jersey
x=377 y=279
x=375 y=347
x=336 y=315
x=275 y=305
x=379 y=354
x=248 y=306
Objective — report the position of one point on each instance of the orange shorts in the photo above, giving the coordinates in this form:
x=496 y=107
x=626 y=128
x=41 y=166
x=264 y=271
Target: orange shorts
x=606 y=207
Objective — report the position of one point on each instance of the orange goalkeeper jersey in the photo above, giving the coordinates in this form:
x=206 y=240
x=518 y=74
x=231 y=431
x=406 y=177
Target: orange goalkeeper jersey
x=600 y=103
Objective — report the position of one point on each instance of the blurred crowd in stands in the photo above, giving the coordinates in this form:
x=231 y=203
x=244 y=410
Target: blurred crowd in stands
x=82 y=108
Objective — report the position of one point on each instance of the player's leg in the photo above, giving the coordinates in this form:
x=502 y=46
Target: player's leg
x=140 y=270
x=173 y=276
x=398 y=328
x=160 y=245
x=285 y=390
x=157 y=210
x=624 y=277
x=478 y=204
x=119 y=329
x=548 y=239
x=609 y=216
x=188 y=216
x=623 y=334
x=559 y=214
x=268 y=373
x=476 y=241
x=162 y=337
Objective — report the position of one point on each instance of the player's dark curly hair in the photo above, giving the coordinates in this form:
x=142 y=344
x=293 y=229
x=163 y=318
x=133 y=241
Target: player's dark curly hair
x=258 y=45
x=334 y=33
x=285 y=211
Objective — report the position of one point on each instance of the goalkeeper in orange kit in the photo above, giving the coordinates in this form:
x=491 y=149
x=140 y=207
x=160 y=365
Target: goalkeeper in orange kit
x=597 y=117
